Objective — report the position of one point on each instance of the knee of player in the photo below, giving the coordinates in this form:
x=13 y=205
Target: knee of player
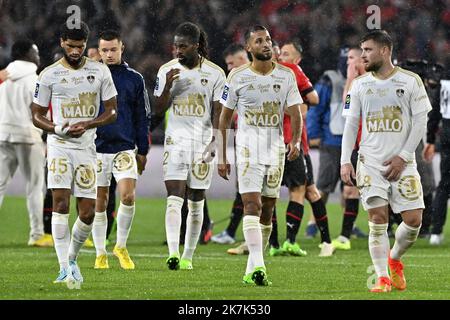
x=128 y=198
x=253 y=207
x=61 y=206
x=378 y=219
x=86 y=215
x=312 y=194
x=413 y=221
x=350 y=192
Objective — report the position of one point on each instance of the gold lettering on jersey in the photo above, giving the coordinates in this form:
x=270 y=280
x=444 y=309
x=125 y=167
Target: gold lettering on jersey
x=192 y=106
x=266 y=116
x=264 y=88
x=82 y=107
x=388 y=120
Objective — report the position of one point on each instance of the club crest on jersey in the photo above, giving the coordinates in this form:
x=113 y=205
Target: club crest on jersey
x=85 y=176
x=36 y=91
x=276 y=87
x=91 y=79
x=400 y=93
x=226 y=89
x=347 y=102
x=204 y=82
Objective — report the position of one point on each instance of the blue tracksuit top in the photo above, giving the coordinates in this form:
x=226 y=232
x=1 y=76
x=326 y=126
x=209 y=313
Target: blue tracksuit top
x=318 y=124
x=131 y=128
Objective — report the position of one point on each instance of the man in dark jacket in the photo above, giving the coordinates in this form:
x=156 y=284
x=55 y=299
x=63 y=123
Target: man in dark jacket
x=122 y=149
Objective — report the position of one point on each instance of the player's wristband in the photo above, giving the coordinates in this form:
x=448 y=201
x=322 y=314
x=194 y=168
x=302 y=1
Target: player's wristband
x=60 y=131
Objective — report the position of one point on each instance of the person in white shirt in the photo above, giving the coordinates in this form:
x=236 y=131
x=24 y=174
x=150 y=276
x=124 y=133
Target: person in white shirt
x=21 y=145
x=74 y=85
x=189 y=87
x=261 y=91
x=393 y=105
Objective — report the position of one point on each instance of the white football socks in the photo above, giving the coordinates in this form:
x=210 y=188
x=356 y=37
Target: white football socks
x=125 y=216
x=405 y=236
x=99 y=232
x=80 y=232
x=379 y=248
x=61 y=237
x=194 y=223
x=253 y=239
x=173 y=223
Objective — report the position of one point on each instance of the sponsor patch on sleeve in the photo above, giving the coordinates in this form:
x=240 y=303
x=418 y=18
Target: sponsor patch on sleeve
x=36 y=91
x=347 y=102
x=226 y=89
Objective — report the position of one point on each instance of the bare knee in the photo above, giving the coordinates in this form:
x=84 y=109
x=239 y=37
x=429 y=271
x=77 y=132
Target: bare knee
x=253 y=207
x=86 y=210
x=61 y=205
x=350 y=192
x=128 y=198
x=313 y=194
x=196 y=194
x=412 y=218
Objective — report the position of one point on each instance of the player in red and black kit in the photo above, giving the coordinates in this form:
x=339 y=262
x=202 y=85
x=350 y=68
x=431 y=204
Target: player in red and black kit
x=298 y=174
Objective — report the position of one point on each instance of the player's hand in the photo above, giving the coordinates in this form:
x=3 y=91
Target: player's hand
x=76 y=130
x=141 y=161
x=313 y=143
x=3 y=75
x=395 y=169
x=171 y=76
x=348 y=175
x=293 y=151
x=210 y=152
x=428 y=152
x=224 y=170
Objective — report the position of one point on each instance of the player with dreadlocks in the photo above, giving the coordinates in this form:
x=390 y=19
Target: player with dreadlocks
x=189 y=87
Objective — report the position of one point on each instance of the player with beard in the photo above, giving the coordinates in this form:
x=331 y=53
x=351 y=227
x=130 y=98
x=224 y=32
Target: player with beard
x=261 y=92
x=189 y=87
x=393 y=105
x=74 y=85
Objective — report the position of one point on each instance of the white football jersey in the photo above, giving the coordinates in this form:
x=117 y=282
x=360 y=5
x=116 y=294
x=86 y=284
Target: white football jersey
x=75 y=96
x=386 y=107
x=260 y=101
x=189 y=116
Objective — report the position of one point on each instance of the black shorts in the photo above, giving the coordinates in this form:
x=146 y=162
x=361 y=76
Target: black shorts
x=298 y=172
x=329 y=168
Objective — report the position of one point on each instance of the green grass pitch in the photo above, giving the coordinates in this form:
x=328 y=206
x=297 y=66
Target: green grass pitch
x=27 y=273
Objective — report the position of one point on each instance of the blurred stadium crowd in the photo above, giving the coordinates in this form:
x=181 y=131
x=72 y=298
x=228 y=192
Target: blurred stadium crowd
x=420 y=28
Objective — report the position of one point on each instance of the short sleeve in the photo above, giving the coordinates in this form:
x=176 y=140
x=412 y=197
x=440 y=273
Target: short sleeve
x=218 y=87
x=108 y=90
x=160 y=83
x=352 y=103
x=43 y=91
x=293 y=95
x=419 y=98
x=229 y=97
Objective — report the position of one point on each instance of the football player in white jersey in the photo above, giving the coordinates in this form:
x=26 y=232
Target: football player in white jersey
x=393 y=105
x=261 y=91
x=189 y=87
x=74 y=85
